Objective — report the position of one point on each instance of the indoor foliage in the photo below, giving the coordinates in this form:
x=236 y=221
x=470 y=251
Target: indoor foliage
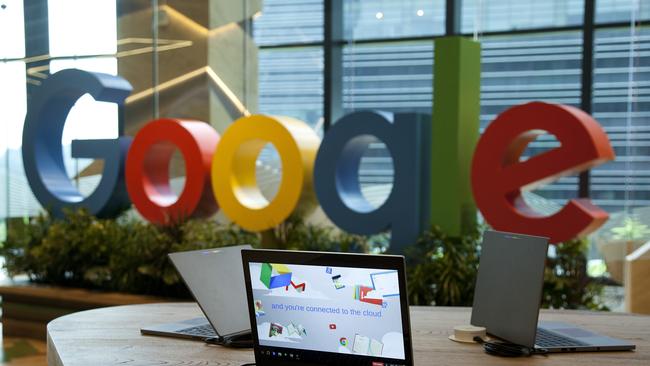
x=566 y=283
x=442 y=269
x=119 y=255
x=130 y=255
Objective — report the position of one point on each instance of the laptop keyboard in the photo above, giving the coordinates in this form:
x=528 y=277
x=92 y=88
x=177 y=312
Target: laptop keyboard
x=546 y=339
x=205 y=331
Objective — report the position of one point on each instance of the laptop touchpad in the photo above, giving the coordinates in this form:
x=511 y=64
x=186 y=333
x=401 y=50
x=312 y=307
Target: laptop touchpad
x=575 y=332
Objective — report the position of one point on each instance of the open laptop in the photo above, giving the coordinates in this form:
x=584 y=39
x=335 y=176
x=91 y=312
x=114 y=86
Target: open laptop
x=508 y=295
x=309 y=308
x=216 y=280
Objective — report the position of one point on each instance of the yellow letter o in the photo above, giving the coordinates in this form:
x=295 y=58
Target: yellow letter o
x=233 y=170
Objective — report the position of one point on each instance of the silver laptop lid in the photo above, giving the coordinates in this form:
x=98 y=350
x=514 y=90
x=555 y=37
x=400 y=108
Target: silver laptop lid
x=509 y=286
x=216 y=279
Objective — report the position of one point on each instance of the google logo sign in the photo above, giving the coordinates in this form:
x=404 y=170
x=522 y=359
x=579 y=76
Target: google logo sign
x=483 y=172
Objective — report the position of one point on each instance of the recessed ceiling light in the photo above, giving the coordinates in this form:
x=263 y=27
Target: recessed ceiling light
x=379 y=15
x=420 y=12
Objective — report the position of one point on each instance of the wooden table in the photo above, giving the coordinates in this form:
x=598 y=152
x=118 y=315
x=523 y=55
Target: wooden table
x=111 y=336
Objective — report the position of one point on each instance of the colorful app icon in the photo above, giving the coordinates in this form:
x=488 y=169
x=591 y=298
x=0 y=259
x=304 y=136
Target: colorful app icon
x=259 y=309
x=332 y=326
x=328 y=270
x=344 y=342
x=274 y=275
x=337 y=282
x=363 y=294
x=300 y=287
x=275 y=330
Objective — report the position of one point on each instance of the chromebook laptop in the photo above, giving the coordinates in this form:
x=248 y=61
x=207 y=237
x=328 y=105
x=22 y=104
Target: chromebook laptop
x=309 y=308
x=216 y=280
x=508 y=295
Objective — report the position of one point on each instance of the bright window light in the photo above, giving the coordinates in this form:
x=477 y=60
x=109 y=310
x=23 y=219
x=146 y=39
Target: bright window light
x=82 y=27
x=13 y=104
x=12 y=29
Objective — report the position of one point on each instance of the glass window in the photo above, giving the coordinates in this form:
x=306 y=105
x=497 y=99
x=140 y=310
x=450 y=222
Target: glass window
x=289 y=22
x=88 y=119
x=621 y=103
x=368 y=19
x=523 y=68
x=518 y=69
x=15 y=194
x=394 y=76
x=12 y=23
x=503 y=15
x=397 y=77
x=291 y=83
x=91 y=31
x=610 y=11
x=13 y=106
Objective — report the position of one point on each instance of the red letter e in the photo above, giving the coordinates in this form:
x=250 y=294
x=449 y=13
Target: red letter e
x=498 y=176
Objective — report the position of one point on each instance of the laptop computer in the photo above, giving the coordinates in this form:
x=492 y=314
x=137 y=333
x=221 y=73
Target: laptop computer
x=310 y=308
x=508 y=295
x=216 y=280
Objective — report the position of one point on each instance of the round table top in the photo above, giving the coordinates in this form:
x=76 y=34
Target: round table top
x=111 y=336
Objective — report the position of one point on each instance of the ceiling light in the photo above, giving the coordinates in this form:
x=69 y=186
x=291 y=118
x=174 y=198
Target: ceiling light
x=420 y=12
x=379 y=15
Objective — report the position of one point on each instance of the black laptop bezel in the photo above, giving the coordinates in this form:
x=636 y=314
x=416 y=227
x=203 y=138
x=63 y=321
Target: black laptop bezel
x=310 y=357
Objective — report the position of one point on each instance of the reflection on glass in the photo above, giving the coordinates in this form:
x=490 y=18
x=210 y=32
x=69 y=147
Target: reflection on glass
x=518 y=69
x=524 y=68
x=88 y=119
x=368 y=19
x=289 y=21
x=608 y=11
x=291 y=84
x=394 y=77
x=16 y=197
x=13 y=99
x=621 y=103
x=196 y=61
x=13 y=104
x=501 y=15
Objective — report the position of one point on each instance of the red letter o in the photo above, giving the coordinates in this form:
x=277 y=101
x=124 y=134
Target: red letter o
x=147 y=170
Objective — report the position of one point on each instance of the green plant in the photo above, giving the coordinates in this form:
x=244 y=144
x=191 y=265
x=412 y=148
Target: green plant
x=566 y=282
x=295 y=234
x=121 y=255
x=632 y=229
x=441 y=269
x=21 y=238
x=131 y=256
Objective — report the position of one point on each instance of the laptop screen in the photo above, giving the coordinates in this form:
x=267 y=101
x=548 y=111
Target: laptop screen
x=337 y=310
